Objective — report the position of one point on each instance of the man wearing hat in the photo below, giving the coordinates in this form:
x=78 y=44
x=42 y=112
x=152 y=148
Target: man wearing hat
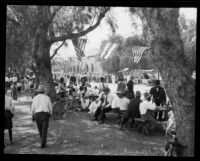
x=106 y=106
x=146 y=107
x=133 y=109
x=159 y=95
x=41 y=110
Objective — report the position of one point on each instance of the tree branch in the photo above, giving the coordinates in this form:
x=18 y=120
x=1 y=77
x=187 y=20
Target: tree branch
x=53 y=14
x=55 y=52
x=13 y=21
x=72 y=35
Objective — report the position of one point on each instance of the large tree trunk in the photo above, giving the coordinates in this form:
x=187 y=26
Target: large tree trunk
x=41 y=50
x=167 y=55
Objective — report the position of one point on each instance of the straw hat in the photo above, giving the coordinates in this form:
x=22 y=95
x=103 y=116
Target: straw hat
x=40 y=88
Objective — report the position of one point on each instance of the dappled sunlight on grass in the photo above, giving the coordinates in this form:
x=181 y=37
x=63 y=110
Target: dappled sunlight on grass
x=78 y=135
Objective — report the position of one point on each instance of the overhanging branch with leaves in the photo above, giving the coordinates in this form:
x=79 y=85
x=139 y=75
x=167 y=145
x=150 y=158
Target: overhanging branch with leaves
x=72 y=35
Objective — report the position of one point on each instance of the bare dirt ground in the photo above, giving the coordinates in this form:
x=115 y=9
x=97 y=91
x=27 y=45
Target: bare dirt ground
x=78 y=135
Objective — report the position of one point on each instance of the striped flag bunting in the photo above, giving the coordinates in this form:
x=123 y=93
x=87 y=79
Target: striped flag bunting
x=108 y=50
x=79 y=46
x=82 y=43
x=137 y=52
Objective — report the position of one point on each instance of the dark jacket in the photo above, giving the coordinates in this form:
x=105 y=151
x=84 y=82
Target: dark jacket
x=158 y=96
x=133 y=108
x=130 y=86
x=73 y=79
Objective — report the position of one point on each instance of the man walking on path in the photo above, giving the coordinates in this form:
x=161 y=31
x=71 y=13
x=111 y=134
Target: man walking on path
x=41 y=110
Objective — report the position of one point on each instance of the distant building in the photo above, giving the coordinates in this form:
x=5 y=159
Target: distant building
x=89 y=64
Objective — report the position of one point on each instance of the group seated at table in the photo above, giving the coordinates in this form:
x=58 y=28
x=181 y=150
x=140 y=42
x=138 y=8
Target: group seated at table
x=99 y=102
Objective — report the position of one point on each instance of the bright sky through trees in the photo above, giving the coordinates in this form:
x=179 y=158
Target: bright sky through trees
x=125 y=29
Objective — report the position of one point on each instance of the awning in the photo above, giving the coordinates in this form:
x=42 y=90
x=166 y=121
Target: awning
x=124 y=70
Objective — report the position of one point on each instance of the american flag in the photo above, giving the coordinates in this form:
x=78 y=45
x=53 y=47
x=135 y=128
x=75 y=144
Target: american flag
x=79 y=46
x=137 y=52
x=108 y=49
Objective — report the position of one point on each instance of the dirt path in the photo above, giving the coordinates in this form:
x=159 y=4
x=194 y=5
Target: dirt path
x=78 y=135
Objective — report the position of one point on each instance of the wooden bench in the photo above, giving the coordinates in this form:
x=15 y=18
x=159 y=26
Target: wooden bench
x=146 y=127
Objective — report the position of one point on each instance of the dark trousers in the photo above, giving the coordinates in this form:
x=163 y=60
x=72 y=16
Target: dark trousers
x=159 y=114
x=42 y=121
x=100 y=113
x=103 y=113
x=125 y=117
x=8 y=123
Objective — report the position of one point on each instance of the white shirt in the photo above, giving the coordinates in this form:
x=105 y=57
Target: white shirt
x=6 y=79
x=41 y=103
x=109 y=99
x=115 y=102
x=124 y=102
x=9 y=105
x=96 y=92
x=14 y=79
x=144 y=105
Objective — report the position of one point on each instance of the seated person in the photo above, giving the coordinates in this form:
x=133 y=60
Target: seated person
x=133 y=109
x=146 y=108
x=106 y=106
x=89 y=89
x=96 y=103
x=84 y=99
x=102 y=84
x=96 y=91
x=124 y=102
x=61 y=88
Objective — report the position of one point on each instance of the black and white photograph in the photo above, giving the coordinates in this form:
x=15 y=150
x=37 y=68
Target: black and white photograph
x=100 y=80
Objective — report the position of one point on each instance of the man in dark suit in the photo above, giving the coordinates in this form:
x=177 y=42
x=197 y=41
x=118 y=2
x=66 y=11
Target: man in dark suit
x=130 y=86
x=133 y=109
x=159 y=95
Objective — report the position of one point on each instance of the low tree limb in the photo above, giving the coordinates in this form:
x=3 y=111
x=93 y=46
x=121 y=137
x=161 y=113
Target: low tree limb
x=55 y=52
x=72 y=35
x=13 y=21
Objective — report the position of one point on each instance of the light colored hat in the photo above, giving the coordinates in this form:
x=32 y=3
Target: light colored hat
x=40 y=88
x=147 y=95
x=137 y=93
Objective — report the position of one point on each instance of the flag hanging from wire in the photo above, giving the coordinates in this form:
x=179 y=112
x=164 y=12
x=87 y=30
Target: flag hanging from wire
x=79 y=46
x=108 y=49
x=137 y=52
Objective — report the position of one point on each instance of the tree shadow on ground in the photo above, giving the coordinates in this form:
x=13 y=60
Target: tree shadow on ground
x=76 y=135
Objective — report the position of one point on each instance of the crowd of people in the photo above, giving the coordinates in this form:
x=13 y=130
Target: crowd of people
x=99 y=100
x=19 y=83
x=96 y=101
